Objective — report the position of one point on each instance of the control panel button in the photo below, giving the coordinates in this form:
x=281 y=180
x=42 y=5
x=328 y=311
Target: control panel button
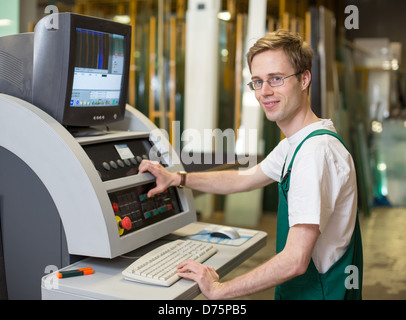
x=126 y=223
x=120 y=163
x=106 y=166
x=113 y=164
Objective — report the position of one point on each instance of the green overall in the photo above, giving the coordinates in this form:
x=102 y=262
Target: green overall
x=344 y=278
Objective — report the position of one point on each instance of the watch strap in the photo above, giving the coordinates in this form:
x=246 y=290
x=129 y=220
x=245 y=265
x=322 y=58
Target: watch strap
x=182 y=179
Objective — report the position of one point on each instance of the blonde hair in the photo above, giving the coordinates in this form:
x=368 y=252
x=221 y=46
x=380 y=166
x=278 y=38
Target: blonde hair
x=298 y=52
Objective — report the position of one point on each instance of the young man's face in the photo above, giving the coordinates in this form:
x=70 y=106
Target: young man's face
x=282 y=103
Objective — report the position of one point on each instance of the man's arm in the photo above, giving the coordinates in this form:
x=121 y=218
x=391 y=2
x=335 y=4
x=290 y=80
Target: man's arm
x=288 y=264
x=217 y=182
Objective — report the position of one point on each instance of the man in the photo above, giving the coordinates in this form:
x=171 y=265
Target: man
x=318 y=234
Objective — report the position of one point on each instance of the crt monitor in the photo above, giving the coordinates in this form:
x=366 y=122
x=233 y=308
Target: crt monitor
x=84 y=79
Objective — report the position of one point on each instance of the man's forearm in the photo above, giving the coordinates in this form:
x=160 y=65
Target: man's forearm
x=227 y=181
x=217 y=182
x=274 y=272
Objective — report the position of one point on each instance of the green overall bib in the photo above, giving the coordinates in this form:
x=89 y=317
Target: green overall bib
x=344 y=278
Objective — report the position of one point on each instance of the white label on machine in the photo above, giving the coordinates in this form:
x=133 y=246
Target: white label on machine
x=124 y=151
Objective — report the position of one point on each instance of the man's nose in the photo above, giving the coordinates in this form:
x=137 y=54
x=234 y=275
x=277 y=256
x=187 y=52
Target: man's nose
x=266 y=89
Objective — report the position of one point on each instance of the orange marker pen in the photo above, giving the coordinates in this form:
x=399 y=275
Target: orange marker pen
x=74 y=273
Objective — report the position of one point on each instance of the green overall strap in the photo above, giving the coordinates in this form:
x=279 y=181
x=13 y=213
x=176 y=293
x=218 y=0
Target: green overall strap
x=334 y=283
x=313 y=134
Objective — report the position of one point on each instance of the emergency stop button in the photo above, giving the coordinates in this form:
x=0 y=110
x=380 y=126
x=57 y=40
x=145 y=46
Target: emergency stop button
x=123 y=224
x=126 y=223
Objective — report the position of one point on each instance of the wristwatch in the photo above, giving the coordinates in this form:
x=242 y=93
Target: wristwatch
x=182 y=179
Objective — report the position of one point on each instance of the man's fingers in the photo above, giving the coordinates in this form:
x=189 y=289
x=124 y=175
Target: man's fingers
x=150 y=166
x=191 y=269
x=206 y=277
x=188 y=265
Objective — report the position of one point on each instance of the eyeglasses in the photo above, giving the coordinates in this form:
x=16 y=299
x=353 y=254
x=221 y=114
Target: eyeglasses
x=273 y=82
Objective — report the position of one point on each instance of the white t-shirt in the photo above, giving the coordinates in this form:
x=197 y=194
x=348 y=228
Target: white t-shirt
x=323 y=189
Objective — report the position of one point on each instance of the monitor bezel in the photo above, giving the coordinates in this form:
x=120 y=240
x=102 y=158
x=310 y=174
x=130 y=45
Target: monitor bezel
x=91 y=116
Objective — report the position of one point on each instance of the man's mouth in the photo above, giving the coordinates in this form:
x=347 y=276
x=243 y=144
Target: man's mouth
x=270 y=104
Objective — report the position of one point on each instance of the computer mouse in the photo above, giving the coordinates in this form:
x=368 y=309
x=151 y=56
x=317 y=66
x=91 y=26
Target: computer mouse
x=225 y=232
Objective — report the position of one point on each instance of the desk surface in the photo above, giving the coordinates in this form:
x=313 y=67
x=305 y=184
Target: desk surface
x=108 y=283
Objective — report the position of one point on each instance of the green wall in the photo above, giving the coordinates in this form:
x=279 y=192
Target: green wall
x=9 y=17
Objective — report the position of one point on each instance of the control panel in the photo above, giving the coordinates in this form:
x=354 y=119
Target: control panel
x=135 y=210
x=132 y=207
x=119 y=159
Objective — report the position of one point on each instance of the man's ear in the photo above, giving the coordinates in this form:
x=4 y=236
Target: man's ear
x=306 y=79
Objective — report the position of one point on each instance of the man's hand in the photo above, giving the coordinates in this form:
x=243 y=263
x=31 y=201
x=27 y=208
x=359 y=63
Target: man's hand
x=164 y=178
x=206 y=277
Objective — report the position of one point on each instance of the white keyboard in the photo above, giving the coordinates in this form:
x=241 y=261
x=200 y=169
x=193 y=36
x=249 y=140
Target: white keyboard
x=159 y=266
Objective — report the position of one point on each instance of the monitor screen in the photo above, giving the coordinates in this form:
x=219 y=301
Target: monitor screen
x=89 y=60
x=98 y=70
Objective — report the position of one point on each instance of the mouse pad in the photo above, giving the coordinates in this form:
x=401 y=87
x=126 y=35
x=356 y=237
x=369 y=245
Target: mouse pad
x=204 y=235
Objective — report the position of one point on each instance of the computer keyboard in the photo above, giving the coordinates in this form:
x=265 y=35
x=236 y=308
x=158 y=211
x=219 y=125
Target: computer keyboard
x=159 y=266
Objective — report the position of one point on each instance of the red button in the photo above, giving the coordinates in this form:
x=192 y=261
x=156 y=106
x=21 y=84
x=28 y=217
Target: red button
x=126 y=223
x=115 y=207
